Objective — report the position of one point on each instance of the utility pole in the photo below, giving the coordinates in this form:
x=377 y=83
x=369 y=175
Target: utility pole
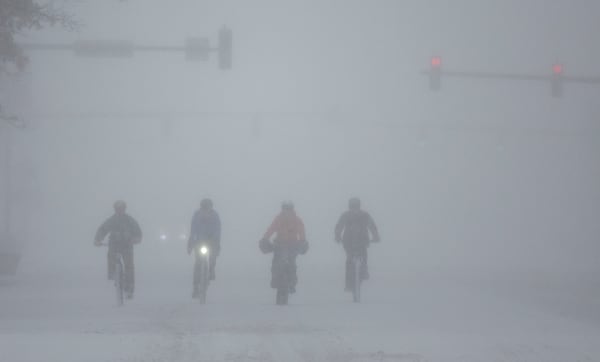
x=556 y=78
x=194 y=49
x=7 y=141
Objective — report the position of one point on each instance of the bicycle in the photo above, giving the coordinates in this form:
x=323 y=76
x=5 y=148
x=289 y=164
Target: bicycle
x=357 y=270
x=118 y=276
x=282 y=273
x=201 y=270
x=357 y=260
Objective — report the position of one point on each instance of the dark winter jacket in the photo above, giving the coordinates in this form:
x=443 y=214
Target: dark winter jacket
x=354 y=226
x=121 y=228
x=206 y=225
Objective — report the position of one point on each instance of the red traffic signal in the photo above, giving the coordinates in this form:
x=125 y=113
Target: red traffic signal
x=557 y=69
x=435 y=73
x=556 y=82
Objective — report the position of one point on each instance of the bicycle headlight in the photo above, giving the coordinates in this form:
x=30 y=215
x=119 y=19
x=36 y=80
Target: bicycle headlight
x=203 y=250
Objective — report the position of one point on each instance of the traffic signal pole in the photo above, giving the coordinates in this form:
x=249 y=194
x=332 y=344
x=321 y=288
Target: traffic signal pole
x=195 y=49
x=556 y=79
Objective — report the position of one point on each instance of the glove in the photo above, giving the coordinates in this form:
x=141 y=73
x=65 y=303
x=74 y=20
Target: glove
x=97 y=242
x=266 y=246
x=376 y=239
x=302 y=247
x=338 y=239
x=136 y=240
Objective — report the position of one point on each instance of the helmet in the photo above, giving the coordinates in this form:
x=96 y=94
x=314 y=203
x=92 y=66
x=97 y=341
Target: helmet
x=120 y=206
x=206 y=204
x=265 y=246
x=354 y=203
x=287 y=205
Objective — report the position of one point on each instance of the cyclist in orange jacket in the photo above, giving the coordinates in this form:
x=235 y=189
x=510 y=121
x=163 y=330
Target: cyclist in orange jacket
x=288 y=229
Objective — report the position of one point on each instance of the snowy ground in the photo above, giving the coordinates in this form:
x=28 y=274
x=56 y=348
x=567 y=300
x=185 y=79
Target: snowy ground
x=66 y=315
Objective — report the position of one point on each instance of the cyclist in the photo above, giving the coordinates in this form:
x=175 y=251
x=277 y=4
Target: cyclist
x=289 y=233
x=123 y=232
x=352 y=230
x=206 y=226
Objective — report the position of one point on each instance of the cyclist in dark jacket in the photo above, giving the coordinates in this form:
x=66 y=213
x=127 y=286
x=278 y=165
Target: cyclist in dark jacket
x=352 y=230
x=123 y=232
x=206 y=226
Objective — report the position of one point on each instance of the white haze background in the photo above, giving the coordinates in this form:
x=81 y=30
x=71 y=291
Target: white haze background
x=486 y=193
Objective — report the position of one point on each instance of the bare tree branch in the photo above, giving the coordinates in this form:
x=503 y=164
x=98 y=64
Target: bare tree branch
x=17 y=16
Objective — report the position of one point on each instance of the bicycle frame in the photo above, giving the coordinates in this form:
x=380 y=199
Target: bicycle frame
x=119 y=277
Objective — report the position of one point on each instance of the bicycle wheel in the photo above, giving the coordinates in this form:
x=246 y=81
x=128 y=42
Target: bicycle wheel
x=203 y=279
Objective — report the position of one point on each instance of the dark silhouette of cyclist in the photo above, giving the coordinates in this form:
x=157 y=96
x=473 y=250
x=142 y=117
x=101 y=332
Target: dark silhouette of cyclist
x=206 y=226
x=123 y=232
x=352 y=230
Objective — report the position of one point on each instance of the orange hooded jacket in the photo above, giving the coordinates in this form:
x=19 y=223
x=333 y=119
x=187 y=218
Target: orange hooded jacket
x=288 y=227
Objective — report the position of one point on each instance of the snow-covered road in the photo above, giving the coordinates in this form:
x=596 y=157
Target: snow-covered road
x=66 y=316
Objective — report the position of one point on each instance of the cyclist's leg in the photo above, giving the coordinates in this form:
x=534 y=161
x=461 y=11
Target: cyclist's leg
x=365 y=268
x=197 y=272
x=213 y=262
x=293 y=273
x=274 y=267
x=129 y=268
x=349 y=270
x=196 y=277
x=111 y=259
x=213 y=259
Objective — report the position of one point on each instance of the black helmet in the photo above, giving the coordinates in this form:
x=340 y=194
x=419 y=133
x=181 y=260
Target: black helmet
x=354 y=203
x=287 y=205
x=120 y=206
x=206 y=204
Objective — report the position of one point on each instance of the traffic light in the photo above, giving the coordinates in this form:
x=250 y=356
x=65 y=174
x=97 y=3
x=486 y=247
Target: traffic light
x=435 y=73
x=225 y=48
x=556 y=81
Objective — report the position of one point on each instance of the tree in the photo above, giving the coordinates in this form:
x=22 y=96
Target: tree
x=18 y=16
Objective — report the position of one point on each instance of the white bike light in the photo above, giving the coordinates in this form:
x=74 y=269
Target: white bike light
x=203 y=250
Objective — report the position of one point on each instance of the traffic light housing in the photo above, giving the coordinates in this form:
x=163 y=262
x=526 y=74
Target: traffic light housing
x=556 y=82
x=435 y=73
x=225 y=48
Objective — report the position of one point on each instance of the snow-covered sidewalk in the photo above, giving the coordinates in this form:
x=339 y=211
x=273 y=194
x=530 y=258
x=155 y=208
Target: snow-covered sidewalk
x=71 y=318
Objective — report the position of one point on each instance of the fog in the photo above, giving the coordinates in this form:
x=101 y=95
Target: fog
x=486 y=183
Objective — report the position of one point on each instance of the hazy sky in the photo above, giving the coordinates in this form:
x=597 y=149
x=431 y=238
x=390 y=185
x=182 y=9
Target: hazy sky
x=326 y=101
